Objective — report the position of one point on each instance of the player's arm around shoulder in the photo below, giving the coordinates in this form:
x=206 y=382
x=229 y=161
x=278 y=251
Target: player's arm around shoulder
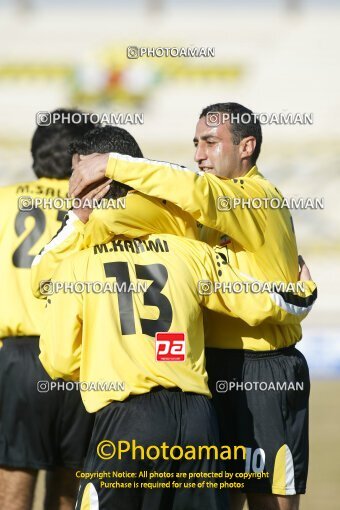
x=124 y=217
x=235 y=293
x=221 y=204
x=293 y=301
x=118 y=217
x=68 y=240
x=61 y=338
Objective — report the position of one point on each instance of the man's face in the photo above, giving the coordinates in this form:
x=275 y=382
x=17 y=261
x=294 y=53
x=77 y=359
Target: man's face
x=215 y=151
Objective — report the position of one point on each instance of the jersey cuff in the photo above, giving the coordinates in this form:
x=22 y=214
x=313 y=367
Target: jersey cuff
x=111 y=166
x=76 y=222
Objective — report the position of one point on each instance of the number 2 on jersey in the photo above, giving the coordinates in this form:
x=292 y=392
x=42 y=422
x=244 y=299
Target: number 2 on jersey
x=21 y=257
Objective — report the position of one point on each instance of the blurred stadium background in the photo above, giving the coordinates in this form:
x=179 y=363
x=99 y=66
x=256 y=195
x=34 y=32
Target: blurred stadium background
x=273 y=57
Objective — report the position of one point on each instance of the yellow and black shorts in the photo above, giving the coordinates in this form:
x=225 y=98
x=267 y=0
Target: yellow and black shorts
x=261 y=400
x=41 y=426
x=159 y=482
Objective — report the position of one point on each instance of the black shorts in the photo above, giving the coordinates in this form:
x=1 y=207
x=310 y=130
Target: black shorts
x=161 y=416
x=39 y=429
x=261 y=400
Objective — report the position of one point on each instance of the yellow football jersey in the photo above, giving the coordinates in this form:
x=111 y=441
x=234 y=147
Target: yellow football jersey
x=25 y=229
x=142 y=215
x=260 y=240
x=110 y=306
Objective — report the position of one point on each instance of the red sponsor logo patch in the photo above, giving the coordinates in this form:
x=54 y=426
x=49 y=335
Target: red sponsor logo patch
x=170 y=346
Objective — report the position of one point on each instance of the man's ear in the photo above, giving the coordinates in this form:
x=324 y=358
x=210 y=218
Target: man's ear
x=247 y=147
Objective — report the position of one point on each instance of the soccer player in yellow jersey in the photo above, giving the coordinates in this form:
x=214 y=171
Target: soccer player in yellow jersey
x=140 y=333
x=82 y=229
x=39 y=429
x=224 y=195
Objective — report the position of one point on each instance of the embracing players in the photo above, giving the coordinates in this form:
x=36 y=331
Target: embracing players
x=273 y=425
x=111 y=337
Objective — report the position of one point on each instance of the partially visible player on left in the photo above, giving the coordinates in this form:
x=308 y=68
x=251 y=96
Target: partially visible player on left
x=39 y=429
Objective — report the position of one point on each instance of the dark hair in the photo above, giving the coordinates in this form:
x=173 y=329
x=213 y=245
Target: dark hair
x=50 y=143
x=108 y=139
x=243 y=123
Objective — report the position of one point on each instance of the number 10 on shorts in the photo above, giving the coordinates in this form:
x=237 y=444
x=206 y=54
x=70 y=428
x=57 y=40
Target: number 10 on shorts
x=170 y=346
x=255 y=460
